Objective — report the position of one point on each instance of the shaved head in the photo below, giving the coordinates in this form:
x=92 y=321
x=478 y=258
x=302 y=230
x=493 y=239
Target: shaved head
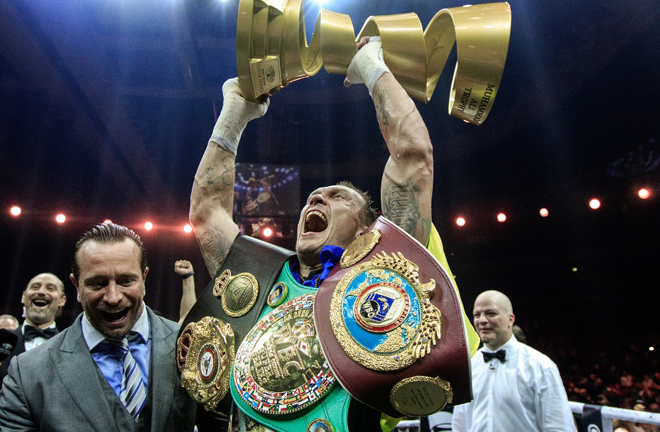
x=493 y=318
x=497 y=298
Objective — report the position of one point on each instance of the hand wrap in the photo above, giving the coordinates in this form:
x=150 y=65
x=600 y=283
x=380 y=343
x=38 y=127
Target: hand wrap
x=367 y=65
x=235 y=114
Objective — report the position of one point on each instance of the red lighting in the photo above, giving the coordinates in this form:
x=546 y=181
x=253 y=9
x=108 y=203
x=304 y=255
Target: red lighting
x=60 y=218
x=501 y=217
x=594 y=203
x=15 y=211
x=267 y=232
x=148 y=226
x=107 y=221
x=543 y=212
x=644 y=193
x=187 y=229
x=460 y=221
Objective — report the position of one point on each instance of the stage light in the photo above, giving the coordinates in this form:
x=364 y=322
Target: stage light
x=594 y=203
x=15 y=211
x=460 y=221
x=643 y=193
x=574 y=269
x=501 y=217
x=651 y=348
x=148 y=226
x=187 y=229
x=543 y=212
x=267 y=232
x=107 y=221
x=60 y=218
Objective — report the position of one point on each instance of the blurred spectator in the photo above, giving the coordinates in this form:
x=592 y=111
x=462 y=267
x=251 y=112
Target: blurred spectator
x=8 y=322
x=188 y=296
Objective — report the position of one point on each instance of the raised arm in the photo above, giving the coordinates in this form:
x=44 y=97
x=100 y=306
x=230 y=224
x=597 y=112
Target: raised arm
x=407 y=184
x=212 y=197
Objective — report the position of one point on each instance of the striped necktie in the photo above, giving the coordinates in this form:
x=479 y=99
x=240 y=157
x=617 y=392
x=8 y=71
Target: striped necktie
x=133 y=393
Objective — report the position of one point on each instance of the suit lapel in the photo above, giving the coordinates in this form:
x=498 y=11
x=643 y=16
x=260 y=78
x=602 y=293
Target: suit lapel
x=163 y=343
x=79 y=375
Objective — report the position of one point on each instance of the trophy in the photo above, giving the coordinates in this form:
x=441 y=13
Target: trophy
x=272 y=50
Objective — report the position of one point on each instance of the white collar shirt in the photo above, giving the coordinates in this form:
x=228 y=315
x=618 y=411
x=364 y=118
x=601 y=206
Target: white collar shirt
x=37 y=340
x=523 y=394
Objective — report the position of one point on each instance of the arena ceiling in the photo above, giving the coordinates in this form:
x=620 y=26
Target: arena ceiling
x=106 y=107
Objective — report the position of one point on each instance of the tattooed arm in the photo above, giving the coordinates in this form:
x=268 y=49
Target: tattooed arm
x=211 y=205
x=407 y=184
x=212 y=197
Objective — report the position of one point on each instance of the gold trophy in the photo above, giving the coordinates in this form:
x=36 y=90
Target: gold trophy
x=272 y=50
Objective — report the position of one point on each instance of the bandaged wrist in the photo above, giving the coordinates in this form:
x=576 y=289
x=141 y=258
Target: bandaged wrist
x=235 y=114
x=368 y=65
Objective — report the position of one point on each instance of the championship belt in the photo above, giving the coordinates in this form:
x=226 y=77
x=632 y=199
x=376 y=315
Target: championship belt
x=223 y=314
x=391 y=325
x=272 y=50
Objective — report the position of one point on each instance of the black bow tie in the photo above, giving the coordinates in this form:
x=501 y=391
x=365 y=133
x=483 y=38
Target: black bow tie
x=500 y=355
x=30 y=332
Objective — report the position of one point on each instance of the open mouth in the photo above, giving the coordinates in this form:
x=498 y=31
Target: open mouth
x=114 y=316
x=315 y=222
x=40 y=303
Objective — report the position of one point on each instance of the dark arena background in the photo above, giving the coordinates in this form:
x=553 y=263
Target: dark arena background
x=106 y=107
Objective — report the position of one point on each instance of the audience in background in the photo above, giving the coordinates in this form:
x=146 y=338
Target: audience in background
x=43 y=299
x=185 y=271
x=8 y=322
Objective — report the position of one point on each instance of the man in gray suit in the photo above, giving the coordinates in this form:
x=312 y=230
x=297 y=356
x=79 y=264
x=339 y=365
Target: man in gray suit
x=114 y=368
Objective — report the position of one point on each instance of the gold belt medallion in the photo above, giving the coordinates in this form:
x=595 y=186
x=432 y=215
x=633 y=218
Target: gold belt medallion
x=238 y=293
x=205 y=352
x=280 y=367
x=381 y=313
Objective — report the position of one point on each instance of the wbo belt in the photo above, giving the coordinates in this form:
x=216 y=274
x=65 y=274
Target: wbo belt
x=391 y=325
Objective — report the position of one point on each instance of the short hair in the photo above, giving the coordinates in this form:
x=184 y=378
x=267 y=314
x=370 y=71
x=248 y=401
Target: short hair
x=368 y=213
x=59 y=281
x=108 y=233
x=12 y=318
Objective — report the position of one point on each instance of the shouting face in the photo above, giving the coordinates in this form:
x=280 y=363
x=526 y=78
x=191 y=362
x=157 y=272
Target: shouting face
x=332 y=216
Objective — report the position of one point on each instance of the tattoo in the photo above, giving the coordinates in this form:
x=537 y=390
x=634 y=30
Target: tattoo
x=383 y=116
x=401 y=207
x=224 y=179
x=214 y=250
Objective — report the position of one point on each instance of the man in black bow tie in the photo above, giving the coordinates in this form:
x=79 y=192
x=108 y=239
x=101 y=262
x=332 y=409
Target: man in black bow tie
x=43 y=299
x=516 y=388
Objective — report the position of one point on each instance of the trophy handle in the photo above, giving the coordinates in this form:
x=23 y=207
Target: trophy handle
x=272 y=50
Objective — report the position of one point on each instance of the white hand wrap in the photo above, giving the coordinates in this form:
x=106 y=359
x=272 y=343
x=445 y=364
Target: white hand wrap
x=235 y=114
x=367 y=65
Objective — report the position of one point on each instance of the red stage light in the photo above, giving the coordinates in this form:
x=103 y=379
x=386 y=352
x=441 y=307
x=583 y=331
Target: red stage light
x=15 y=211
x=187 y=229
x=544 y=212
x=148 y=226
x=594 y=203
x=60 y=218
x=107 y=221
x=267 y=232
x=644 y=193
x=460 y=221
x=501 y=217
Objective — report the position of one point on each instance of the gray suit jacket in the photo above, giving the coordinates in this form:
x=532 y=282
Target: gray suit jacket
x=58 y=387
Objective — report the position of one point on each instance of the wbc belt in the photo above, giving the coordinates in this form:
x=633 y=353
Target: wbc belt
x=391 y=325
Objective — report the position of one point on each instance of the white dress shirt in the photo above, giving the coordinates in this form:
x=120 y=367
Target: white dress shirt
x=37 y=340
x=523 y=394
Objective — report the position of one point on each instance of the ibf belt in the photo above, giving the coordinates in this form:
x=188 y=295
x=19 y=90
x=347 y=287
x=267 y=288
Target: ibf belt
x=391 y=325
